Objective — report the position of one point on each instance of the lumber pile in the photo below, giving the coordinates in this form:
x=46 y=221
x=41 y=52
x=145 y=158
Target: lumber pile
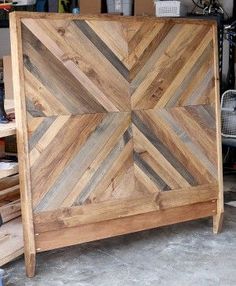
x=9 y=178
x=11 y=236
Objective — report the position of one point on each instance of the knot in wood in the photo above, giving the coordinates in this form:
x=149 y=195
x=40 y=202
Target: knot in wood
x=61 y=31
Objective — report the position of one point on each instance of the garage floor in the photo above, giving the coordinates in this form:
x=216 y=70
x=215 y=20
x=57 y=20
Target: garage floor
x=187 y=254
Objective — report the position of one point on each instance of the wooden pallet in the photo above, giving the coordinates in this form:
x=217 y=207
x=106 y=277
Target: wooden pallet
x=118 y=125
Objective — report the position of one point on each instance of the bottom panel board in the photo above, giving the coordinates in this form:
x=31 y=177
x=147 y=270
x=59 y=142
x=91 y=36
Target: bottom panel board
x=85 y=233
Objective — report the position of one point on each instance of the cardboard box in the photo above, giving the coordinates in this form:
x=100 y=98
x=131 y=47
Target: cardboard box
x=90 y=6
x=144 y=8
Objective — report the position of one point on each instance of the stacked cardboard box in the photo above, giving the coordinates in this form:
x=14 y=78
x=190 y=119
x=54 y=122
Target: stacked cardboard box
x=91 y=6
x=141 y=7
x=144 y=8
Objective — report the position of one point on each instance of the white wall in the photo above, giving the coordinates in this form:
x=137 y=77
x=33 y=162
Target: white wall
x=4 y=42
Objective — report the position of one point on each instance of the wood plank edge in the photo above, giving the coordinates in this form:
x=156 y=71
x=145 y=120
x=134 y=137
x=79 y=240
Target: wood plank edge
x=11 y=241
x=22 y=139
x=218 y=219
x=10 y=211
x=10 y=258
x=92 y=213
x=106 y=17
x=8 y=129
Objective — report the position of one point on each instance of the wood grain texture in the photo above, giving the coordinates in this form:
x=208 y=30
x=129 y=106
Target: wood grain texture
x=13 y=170
x=8 y=84
x=9 y=198
x=11 y=241
x=218 y=218
x=176 y=148
x=99 y=146
x=121 y=117
x=93 y=213
x=74 y=235
x=22 y=143
x=8 y=129
x=10 y=211
x=9 y=195
x=6 y=183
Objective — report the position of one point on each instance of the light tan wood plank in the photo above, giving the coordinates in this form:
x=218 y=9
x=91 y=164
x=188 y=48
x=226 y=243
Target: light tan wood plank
x=87 y=214
x=218 y=218
x=7 y=129
x=71 y=236
x=10 y=211
x=8 y=83
x=11 y=241
x=22 y=139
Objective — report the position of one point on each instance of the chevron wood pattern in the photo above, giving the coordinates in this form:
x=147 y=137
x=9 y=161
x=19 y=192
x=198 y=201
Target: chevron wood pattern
x=121 y=123
x=175 y=148
x=95 y=155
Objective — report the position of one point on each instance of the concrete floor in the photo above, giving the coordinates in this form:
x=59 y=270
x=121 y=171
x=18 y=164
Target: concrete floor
x=186 y=254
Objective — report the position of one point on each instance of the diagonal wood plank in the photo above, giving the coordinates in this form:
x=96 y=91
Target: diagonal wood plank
x=73 y=95
x=47 y=167
x=141 y=47
x=140 y=120
x=102 y=151
x=56 y=35
x=102 y=47
x=160 y=79
x=188 y=157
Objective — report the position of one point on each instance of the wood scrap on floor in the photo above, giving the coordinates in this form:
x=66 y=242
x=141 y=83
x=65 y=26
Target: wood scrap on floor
x=9 y=198
x=11 y=241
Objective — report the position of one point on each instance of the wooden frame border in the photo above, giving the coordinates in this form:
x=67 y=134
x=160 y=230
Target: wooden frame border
x=102 y=17
x=218 y=218
x=22 y=138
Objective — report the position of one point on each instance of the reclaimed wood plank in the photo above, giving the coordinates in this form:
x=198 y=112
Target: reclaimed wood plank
x=87 y=214
x=8 y=170
x=10 y=211
x=8 y=84
x=7 y=129
x=75 y=235
x=22 y=139
x=11 y=241
x=9 y=194
x=218 y=218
